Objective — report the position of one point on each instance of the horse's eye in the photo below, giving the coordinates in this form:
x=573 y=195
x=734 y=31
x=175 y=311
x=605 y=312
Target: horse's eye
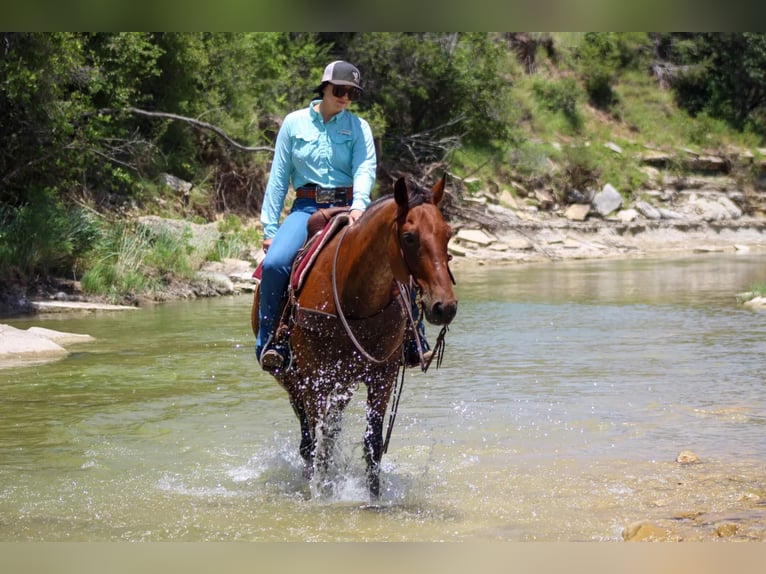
x=410 y=239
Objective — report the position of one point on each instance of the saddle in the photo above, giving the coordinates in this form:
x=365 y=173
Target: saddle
x=322 y=226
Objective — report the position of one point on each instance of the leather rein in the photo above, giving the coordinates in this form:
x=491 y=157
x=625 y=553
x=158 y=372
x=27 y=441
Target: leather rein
x=404 y=293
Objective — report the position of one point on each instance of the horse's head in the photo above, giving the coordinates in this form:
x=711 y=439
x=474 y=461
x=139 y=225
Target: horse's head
x=422 y=237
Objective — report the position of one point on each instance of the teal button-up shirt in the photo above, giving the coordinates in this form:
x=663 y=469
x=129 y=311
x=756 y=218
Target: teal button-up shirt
x=339 y=153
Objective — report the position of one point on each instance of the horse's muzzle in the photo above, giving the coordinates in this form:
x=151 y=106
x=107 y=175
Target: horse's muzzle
x=441 y=312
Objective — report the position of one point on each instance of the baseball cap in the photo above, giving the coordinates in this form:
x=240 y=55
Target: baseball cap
x=341 y=73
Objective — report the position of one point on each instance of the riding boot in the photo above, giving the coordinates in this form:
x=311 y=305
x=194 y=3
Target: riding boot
x=414 y=345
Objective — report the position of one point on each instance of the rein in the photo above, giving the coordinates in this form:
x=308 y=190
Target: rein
x=339 y=310
x=404 y=293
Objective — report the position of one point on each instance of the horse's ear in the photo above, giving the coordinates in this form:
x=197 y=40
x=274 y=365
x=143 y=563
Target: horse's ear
x=401 y=194
x=437 y=191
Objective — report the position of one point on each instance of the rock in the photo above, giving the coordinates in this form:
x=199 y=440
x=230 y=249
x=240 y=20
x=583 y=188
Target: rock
x=687 y=457
x=83 y=306
x=712 y=207
x=201 y=238
x=647 y=210
x=756 y=303
x=731 y=207
x=519 y=244
x=577 y=211
x=456 y=249
x=627 y=215
x=176 y=183
x=607 y=201
x=35 y=345
x=476 y=236
x=60 y=337
x=220 y=282
x=545 y=199
x=613 y=146
x=656 y=159
x=669 y=213
x=647 y=532
x=577 y=196
x=726 y=530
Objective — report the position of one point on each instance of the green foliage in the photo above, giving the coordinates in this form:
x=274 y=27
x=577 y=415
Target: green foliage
x=721 y=74
x=127 y=261
x=458 y=98
x=601 y=60
x=561 y=96
x=590 y=167
x=117 y=266
x=235 y=240
x=443 y=85
x=44 y=236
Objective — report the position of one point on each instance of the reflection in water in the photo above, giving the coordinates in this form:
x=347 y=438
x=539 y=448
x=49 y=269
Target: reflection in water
x=566 y=393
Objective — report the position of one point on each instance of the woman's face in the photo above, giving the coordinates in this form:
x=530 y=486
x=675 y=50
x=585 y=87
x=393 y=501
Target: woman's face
x=336 y=103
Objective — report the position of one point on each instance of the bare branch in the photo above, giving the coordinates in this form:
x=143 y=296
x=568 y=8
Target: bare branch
x=191 y=121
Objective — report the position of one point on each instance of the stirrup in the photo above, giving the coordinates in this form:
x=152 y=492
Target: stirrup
x=272 y=360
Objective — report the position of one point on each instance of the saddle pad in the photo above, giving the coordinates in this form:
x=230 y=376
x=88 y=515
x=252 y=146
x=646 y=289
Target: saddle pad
x=308 y=255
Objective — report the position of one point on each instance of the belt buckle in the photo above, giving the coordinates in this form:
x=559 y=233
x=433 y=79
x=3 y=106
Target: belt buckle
x=325 y=195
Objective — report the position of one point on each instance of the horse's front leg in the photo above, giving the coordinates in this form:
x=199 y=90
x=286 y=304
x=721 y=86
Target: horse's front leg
x=326 y=433
x=378 y=394
x=307 y=438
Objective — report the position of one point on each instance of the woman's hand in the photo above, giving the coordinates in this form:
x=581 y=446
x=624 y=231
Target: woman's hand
x=353 y=215
x=266 y=244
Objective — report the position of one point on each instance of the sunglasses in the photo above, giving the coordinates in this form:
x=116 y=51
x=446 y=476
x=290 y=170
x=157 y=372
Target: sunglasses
x=352 y=92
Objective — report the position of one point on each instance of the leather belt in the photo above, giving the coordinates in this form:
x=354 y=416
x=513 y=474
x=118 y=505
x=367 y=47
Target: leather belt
x=329 y=195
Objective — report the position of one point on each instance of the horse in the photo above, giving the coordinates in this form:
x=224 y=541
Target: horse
x=347 y=322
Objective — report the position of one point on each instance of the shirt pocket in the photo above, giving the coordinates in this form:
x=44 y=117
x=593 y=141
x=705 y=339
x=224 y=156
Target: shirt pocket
x=306 y=148
x=342 y=142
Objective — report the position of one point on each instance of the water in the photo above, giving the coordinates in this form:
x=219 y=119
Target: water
x=566 y=393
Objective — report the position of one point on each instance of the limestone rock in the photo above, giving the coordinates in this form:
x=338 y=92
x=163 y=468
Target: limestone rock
x=577 y=211
x=646 y=532
x=647 y=210
x=687 y=457
x=476 y=236
x=607 y=201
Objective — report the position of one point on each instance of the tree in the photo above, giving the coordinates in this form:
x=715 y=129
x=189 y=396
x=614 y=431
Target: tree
x=720 y=74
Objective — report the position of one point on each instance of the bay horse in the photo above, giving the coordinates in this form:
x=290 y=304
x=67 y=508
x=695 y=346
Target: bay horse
x=347 y=323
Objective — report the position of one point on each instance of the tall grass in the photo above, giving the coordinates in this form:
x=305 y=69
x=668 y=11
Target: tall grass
x=235 y=240
x=45 y=236
x=129 y=260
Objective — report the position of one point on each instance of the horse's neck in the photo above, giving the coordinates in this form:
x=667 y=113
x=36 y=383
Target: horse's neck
x=368 y=277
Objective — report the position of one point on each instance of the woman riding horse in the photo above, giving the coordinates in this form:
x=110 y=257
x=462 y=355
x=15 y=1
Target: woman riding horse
x=348 y=320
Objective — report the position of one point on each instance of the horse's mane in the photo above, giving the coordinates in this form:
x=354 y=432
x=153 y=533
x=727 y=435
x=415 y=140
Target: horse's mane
x=416 y=195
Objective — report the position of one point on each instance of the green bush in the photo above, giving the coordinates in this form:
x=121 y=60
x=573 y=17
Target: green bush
x=561 y=96
x=235 y=241
x=127 y=261
x=45 y=236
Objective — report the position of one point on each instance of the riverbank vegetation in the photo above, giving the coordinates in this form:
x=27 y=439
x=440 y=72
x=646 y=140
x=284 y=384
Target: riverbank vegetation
x=98 y=128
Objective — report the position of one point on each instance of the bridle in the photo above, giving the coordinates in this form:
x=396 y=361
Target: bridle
x=405 y=294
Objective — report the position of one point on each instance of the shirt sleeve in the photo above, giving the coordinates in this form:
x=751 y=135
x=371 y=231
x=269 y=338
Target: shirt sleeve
x=279 y=181
x=364 y=165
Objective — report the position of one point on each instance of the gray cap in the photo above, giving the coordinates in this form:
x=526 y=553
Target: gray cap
x=342 y=73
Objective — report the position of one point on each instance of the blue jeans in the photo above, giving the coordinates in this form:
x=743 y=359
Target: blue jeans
x=290 y=237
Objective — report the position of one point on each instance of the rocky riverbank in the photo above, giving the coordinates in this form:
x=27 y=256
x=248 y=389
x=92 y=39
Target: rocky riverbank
x=705 y=210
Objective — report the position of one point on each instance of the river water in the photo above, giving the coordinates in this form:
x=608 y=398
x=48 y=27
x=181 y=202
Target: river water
x=566 y=393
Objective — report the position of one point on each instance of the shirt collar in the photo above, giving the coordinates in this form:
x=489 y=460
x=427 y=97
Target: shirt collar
x=317 y=116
